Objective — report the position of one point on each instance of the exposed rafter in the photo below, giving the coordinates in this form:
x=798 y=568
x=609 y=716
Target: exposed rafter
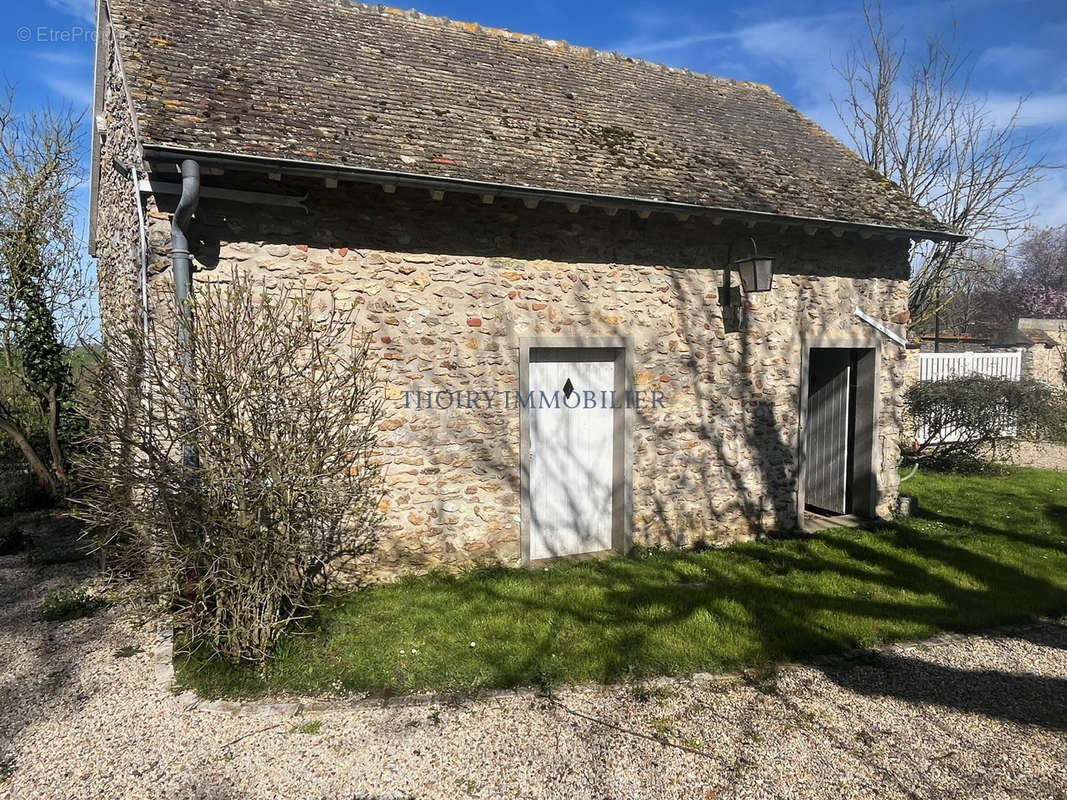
x=531 y=195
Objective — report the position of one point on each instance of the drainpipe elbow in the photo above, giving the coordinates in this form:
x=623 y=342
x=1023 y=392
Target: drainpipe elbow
x=179 y=225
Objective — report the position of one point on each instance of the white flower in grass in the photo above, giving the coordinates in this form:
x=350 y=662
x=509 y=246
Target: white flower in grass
x=472 y=644
x=401 y=652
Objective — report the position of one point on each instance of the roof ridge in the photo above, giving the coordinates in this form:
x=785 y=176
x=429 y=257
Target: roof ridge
x=532 y=38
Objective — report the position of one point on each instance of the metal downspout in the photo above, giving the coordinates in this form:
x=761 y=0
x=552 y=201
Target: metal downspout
x=182 y=267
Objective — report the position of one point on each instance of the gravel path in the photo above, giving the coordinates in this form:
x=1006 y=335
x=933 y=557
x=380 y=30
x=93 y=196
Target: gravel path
x=963 y=717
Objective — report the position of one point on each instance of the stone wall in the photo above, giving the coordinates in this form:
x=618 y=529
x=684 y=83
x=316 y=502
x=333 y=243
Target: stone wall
x=448 y=288
x=117 y=230
x=1040 y=455
x=1045 y=364
x=910 y=371
x=1048 y=363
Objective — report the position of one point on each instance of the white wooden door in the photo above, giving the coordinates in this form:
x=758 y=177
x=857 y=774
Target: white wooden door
x=571 y=451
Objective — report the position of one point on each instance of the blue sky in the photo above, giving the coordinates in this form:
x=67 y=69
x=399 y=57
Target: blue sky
x=1018 y=48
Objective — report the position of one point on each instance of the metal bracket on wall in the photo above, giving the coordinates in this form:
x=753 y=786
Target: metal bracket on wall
x=149 y=186
x=881 y=327
x=730 y=305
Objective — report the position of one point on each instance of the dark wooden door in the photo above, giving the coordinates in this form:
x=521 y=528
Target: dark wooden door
x=826 y=452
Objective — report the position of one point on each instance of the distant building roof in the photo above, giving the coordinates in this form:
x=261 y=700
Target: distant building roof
x=949 y=343
x=1040 y=337
x=1029 y=331
x=961 y=338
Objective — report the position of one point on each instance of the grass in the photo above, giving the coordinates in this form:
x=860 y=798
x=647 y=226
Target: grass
x=63 y=605
x=982 y=550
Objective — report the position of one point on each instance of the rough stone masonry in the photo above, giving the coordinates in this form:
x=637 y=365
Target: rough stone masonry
x=447 y=289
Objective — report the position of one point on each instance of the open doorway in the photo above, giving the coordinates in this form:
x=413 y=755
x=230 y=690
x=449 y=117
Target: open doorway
x=837 y=475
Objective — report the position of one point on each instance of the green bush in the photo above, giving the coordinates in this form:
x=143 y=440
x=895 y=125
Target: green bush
x=70 y=603
x=962 y=424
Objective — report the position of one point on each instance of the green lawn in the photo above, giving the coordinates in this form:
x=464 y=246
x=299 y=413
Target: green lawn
x=982 y=551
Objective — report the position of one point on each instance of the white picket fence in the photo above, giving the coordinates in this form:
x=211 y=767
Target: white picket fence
x=946 y=366
x=942 y=366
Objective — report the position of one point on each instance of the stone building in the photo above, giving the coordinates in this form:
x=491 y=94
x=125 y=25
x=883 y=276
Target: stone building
x=1043 y=343
x=512 y=216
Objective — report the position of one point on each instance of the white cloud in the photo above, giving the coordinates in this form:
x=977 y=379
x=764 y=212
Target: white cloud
x=1038 y=110
x=82 y=9
x=807 y=48
x=647 y=48
x=64 y=58
x=1014 y=58
x=78 y=92
x=1048 y=201
x=801 y=46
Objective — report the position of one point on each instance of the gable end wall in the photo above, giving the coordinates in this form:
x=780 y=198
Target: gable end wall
x=117 y=229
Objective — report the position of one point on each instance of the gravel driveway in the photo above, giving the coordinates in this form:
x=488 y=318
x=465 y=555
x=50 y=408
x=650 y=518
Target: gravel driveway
x=962 y=717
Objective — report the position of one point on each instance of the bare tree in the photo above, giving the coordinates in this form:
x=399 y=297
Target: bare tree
x=966 y=307
x=42 y=284
x=917 y=121
x=1041 y=259
x=1031 y=283
x=287 y=482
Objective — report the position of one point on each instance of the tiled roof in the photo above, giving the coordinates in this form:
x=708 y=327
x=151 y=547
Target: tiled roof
x=1038 y=337
x=371 y=87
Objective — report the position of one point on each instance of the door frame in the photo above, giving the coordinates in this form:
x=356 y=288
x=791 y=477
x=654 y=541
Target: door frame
x=864 y=503
x=622 y=439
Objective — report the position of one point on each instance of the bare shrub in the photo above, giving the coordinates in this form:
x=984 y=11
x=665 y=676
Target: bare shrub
x=282 y=416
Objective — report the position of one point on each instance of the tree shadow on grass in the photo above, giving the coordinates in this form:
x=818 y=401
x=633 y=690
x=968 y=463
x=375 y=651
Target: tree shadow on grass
x=679 y=612
x=1057 y=515
x=686 y=611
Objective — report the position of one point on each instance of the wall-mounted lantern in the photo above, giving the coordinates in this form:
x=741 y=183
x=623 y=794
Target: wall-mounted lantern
x=757 y=275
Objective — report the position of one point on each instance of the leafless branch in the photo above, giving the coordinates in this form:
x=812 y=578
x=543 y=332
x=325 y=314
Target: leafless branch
x=918 y=122
x=284 y=419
